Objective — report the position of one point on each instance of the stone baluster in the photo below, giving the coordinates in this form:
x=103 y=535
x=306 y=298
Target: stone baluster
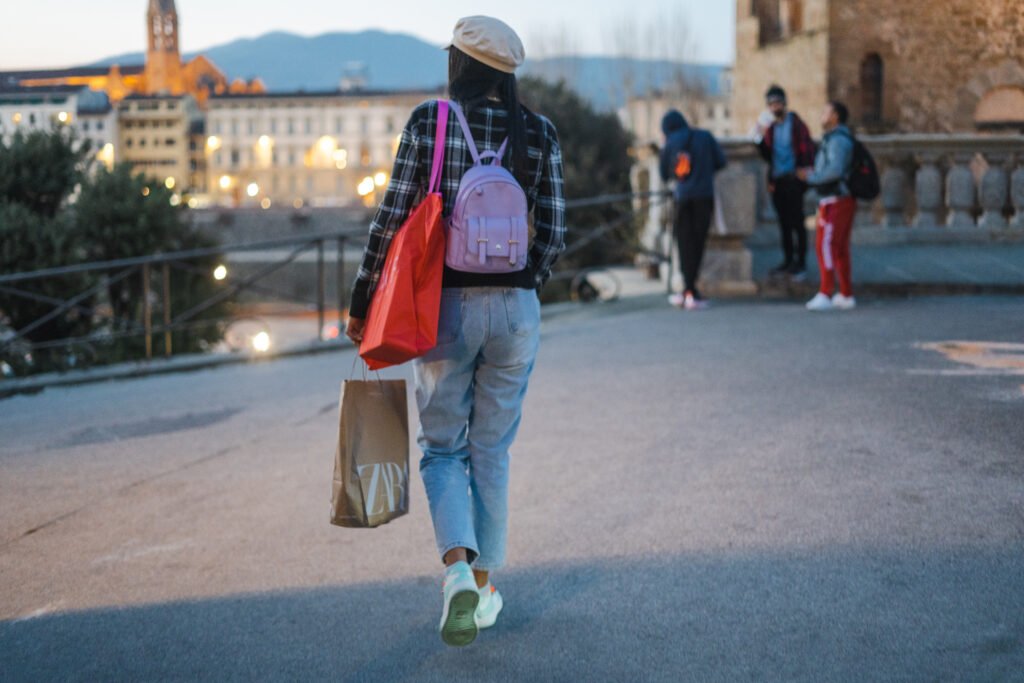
x=994 y=192
x=1017 y=194
x=960 y=192
x=894 y=193
x=928 y=190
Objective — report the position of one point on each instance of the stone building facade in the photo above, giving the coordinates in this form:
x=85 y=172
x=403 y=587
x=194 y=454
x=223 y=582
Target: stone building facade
x=304 y=148
x=927 y=66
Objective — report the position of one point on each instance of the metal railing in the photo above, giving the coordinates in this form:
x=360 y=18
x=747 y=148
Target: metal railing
x=159 y=267
x=118 y=270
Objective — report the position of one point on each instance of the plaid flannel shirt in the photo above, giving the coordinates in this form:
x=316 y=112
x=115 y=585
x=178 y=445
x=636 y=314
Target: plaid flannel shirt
x=411 y=173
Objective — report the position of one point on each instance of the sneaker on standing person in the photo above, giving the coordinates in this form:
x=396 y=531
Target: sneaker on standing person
x=820 y=302
x=489 y=607
x=461 y=597
x=844 y=303
x=692 y=302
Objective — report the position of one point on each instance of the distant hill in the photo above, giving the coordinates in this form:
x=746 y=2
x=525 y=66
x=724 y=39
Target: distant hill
x=286 y=61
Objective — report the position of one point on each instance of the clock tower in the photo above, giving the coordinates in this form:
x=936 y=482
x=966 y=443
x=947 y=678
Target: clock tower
x=163 y=58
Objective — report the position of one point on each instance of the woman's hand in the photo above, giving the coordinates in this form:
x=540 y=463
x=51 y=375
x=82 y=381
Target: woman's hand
x=354 y=329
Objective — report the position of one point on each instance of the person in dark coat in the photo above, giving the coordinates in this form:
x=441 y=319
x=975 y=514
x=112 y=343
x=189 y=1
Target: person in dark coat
x=690 y=157
x=786 y=145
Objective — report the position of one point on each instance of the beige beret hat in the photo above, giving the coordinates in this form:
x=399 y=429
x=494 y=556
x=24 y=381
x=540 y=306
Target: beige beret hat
x=490 y=41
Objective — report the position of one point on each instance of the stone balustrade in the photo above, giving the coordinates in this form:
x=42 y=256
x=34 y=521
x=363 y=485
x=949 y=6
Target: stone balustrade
x=928 y=182
x=934 y=189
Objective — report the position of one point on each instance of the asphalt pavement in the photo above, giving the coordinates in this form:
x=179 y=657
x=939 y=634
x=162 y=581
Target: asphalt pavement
x=751 y=492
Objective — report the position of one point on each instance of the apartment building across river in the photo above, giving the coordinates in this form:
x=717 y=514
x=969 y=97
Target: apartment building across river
x=299 y=148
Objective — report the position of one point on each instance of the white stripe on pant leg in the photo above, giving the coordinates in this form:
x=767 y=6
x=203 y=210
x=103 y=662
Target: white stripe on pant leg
x=826 y=247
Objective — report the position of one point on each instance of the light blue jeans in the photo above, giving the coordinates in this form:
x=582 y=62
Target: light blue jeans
x=470 y=391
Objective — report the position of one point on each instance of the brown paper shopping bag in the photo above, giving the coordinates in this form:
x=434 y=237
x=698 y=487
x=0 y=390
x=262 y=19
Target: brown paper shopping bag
x=371 y=463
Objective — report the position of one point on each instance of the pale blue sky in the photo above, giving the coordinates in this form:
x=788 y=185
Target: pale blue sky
x=46 y=33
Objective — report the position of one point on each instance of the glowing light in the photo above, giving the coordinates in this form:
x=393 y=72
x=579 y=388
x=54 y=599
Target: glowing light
x=175 y=199
x=265 y=141
x=252 y=189
x=106 y=155
x=225 y=182
x=265 y=203
x=380 y=179
x=63 y=117
x=220 y=272
x=145 y=191
x=169 y=183
x=297 y=203
x=261 y=342
x=17 y=117
x=365 y=187
x=340 y=158
x=213 y=143
x=193 y=202
x=327 y=144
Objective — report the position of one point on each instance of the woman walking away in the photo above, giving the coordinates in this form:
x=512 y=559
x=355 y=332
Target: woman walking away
x=470 y=387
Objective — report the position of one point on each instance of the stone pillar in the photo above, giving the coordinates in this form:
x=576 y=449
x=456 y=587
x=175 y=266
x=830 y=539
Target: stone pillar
x=960 y=192
x=728 y=264
x=994 y=192
x=1017 y=194
x=928 y=190
x=894 y=194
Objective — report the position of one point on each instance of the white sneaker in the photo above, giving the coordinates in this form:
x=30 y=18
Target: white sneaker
x=844 y=303
x=489 y=606
x=458 y=620
x=676 y=300
x=692 y=303
x=820 y=302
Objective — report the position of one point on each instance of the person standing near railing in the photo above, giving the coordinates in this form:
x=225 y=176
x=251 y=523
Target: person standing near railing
x=786 y=145
x=470 y=387
x=836 y=209
x=691 y=157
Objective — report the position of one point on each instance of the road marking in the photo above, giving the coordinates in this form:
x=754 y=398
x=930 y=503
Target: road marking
x=984 y=358
x=132 y=552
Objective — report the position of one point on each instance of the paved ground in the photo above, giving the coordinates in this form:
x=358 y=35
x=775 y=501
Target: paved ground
x=947 y=266
x=750 y=493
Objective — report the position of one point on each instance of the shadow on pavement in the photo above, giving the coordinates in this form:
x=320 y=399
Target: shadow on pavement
x=816 y=616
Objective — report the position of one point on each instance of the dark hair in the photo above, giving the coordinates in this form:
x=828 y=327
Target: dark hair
x=471 y=82
x=841 y=111
x=775 y=91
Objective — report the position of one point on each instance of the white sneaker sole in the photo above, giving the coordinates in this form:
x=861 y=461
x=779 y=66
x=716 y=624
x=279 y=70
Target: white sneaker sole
x=458 y=623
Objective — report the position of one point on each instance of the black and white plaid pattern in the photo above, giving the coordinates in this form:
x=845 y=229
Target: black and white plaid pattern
x=411 y=174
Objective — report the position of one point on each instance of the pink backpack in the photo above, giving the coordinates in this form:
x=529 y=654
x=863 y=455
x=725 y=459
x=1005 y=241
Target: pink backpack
x=487 y=231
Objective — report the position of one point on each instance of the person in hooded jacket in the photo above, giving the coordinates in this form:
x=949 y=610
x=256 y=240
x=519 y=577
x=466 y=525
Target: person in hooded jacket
x=690 y=157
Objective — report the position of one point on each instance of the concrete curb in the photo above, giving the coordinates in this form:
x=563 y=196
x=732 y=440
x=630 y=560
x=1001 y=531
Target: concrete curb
x=184 y=363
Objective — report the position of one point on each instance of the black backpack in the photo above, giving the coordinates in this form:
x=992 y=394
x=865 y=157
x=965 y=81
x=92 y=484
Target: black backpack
x=863 y=177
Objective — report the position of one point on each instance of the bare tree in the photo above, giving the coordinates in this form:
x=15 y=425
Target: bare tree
x=554 y=50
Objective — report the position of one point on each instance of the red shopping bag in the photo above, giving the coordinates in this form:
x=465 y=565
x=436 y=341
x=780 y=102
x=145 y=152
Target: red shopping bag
x=402 y=320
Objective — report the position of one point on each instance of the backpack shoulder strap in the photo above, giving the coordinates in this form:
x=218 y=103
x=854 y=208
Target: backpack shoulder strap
x=440 y=137
x=466 y=131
